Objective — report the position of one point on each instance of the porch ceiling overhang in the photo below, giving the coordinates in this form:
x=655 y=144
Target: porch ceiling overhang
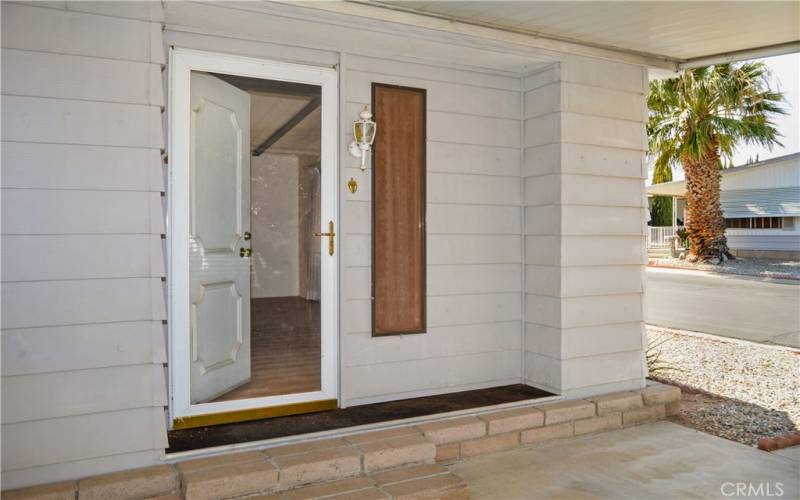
x=676 y=188
x=663 y=35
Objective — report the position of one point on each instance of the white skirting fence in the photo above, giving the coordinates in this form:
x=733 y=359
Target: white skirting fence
x=659 y=236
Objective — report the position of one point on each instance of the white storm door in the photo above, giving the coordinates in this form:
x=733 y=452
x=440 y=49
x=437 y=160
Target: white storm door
x=219 y=218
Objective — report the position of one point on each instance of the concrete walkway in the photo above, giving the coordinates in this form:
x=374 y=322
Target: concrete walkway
x=655 y=461
x=741 y=307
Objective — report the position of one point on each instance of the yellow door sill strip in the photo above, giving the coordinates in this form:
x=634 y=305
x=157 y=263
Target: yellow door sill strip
x=230 y=417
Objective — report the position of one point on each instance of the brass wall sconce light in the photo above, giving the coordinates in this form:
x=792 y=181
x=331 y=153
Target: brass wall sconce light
x=364 y=133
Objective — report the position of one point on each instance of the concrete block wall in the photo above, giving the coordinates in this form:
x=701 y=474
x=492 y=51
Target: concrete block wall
x=585 y=212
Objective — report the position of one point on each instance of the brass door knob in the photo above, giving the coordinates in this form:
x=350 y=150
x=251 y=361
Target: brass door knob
x=245 y=252
x=247 y=235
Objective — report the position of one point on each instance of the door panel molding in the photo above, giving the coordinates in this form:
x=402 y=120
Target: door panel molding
x=181 y=63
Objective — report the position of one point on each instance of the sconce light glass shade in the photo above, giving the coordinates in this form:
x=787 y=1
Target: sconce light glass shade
x=364 y=133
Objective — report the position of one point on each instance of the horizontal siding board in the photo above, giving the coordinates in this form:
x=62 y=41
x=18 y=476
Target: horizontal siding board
x=584 y=220
x=606 y=74
x=601 y=339
x=473 y=249
x=61 y=348
x=19 y=478
x=585 y=250
x=471 y=159
x=543 y=219
x=357 y=250
x=602 y=191
x=443 y=219
x=78 y=392
x=543 y=250
x=585 y=159
x=570 y=312
x=441 y=96
x=431 y=72
x=52 y=303
x=543 y=190
x=473 y=219
x=486 y=278
x=64 y=76
x=64 y=166
x=64 y=32
x=602 y=250
x=405 y=379
x=361 y=349
x=473 y=189
x=468 y=129
x=44 y=442
x=543 y=130
x=37 y=119
x=251 y=48
x=603 y=131
x=583 y=280
x=543 y=100
x=357 y=217
x=469 y=309
x=447 y=280
x=578 y=342
x=249 y=21
x=541 y=77
x=445 y=310
x=602 y=369
x=29 y=211
x=145 y=11
x=64 y=257
x=601 y=310
x=597 y=220
x=598 y=101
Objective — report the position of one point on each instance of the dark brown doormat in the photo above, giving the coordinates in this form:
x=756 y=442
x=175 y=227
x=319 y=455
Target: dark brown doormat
x=205 y=437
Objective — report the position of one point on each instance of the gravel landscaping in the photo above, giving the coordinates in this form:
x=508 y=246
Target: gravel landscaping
x=733 y=389
x=767 y=268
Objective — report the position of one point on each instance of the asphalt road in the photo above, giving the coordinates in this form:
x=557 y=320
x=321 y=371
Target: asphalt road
x=741 y=307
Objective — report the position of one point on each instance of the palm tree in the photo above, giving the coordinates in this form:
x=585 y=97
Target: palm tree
x=697 y=120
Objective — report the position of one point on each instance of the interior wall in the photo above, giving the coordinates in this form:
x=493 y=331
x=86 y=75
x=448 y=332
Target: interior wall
x=309 y=224
x=274 y=219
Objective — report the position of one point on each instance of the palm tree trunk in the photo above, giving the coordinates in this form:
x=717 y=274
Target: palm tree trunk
x=705 y=225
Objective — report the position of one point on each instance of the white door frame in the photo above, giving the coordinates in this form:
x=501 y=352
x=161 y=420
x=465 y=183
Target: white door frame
x=181 y=63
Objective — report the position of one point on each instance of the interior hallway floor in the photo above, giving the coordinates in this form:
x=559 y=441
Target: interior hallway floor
x=662 y=460
x=285 y=348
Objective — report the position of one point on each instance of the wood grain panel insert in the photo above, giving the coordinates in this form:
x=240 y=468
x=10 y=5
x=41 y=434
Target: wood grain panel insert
x=398 y=210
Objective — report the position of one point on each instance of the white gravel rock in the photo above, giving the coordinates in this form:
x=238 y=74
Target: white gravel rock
x=752 y=267
x=761 y=382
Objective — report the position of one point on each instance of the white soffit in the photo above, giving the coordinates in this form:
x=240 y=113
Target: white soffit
x=678 y=31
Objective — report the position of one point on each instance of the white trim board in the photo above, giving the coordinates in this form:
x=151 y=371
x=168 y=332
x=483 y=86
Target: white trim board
x=181 y=63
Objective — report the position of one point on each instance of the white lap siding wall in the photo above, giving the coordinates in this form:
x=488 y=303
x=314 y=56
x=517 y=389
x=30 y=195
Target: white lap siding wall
x=534 y=180
x=584 y=221
x=474 y=247
x=474 y=258
x=83 y=344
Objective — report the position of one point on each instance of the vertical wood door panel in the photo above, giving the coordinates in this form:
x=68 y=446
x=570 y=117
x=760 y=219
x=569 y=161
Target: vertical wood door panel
x=398 y=233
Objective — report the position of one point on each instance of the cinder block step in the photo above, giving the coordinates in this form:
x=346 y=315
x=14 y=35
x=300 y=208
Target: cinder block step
x=396 y=463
